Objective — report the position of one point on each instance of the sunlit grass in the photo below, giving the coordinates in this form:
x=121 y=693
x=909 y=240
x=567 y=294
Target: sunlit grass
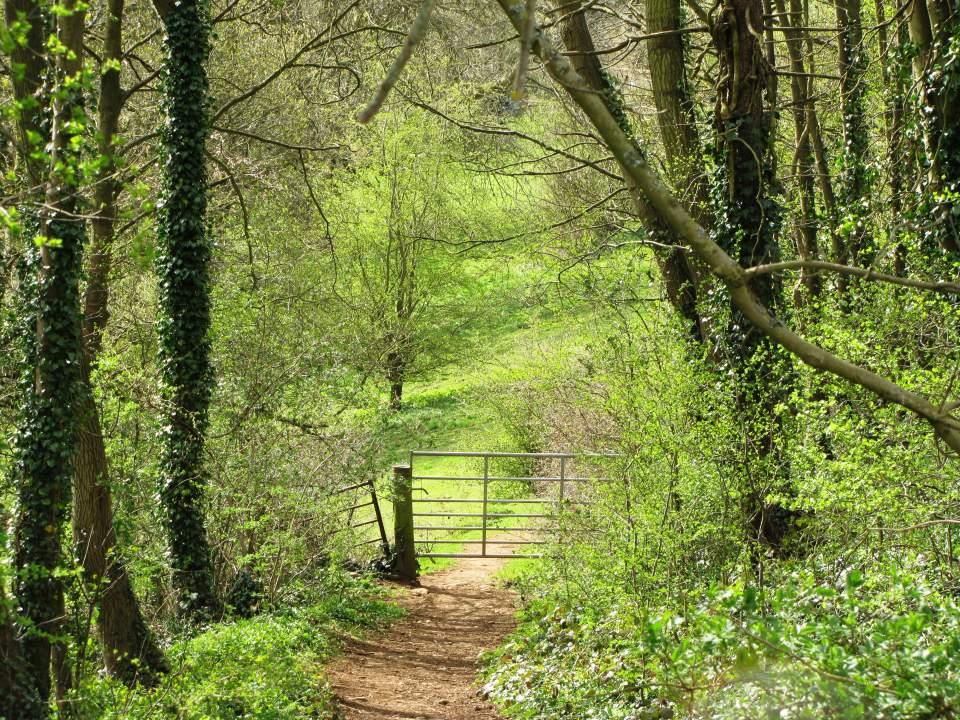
x=456 y=409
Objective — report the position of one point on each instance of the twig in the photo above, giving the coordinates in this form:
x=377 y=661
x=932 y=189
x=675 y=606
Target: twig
x=517 y=134
x=273 y=141
x=918 y=526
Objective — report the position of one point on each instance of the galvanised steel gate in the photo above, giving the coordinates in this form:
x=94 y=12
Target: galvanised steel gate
x=468 y=508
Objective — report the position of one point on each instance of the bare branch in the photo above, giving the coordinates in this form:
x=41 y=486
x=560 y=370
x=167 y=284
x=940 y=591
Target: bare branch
x=867 y=273
x=291 y=62
x=272 y=141
x=526 y=40
x=517 y=134
x=918 y=526
x=417 y=32
x=469 y=245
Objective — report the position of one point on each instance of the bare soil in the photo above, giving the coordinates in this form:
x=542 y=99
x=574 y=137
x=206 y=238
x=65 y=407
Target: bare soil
x=425 y=665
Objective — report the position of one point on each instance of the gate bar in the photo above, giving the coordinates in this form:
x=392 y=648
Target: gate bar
x=358 y=506
x=384 y=542
x=486 y=485
x=493 y=501
x=492 y=528
x=503 y=556
x=480 y=542
x=545 y=455
x=480 y=515
x=563 y=475
x=366 y=542
x=348 y=488
x=494 y=478
x=454 y=453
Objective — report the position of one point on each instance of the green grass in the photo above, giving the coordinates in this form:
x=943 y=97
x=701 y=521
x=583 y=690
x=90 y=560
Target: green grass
x=467 y=405
x=514 y=570
x=457 y=411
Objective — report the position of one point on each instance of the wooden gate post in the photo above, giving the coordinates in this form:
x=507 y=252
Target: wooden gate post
x=403 y=541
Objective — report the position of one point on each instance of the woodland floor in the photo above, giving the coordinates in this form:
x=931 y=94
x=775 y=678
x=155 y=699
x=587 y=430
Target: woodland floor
x=425 y=666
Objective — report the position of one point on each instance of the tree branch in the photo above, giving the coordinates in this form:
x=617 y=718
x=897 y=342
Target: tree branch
x=918 y=526
x=869 y=274
x=417 y=32
x=735 y=277
x=517 y=134
x=523 y=66
x=291 y=62
x=273 y=141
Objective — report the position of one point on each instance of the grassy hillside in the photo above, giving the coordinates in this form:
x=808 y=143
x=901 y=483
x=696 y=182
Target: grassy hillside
x=473 y=406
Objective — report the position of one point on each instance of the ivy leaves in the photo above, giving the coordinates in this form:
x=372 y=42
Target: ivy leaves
x=184 y=251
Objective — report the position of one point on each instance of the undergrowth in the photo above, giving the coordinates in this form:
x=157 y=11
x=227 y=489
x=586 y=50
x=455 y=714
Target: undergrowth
x=269 y=667
x=878 y=648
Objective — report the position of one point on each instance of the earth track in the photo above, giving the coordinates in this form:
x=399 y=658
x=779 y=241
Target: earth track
x=424 y=667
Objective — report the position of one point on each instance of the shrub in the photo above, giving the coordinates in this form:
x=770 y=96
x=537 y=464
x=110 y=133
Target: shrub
x=268 y=667
x=879 y=650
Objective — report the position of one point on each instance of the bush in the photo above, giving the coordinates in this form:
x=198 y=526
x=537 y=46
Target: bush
x=269 y=667
x=883 y=650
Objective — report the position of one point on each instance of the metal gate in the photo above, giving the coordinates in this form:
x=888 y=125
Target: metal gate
x=353 y=514
x=475 y=508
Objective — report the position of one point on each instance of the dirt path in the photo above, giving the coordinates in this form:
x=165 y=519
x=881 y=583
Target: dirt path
x=425 y=666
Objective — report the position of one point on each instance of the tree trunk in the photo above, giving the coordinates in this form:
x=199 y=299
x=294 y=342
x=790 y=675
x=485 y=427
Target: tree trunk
x=802 y=109
x=45 y=438
x=747 y=230
x=183 y=264
x=675 y=107
x=21 y=680
x=129 y=648
x=897 y=160
x=682 y=146
x=29 y=61
x=678 y=273
x=395 y=376
x=933 y=24
x=821 y=160
x=855 y=186
x=18 y=694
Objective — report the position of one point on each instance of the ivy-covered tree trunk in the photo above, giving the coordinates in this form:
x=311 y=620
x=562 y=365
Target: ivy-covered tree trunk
x=184 y=254
x=900 y=161
x=18 y=693
x=130 y=651
x=854 y=238
x=803 y=165
x=45 y=441
x=679 y=273
x=748 y=221
x=935 y=31
x=19 y=689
